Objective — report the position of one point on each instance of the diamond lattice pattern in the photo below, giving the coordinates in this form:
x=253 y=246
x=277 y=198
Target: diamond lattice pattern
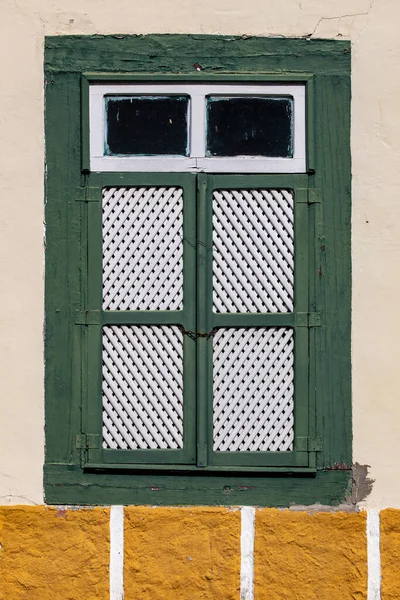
x=253 y=389
x=253 y=255
x=142 y=387
x=142 y=248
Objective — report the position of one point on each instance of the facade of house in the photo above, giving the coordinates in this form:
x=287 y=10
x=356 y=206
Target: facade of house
x=207 y=405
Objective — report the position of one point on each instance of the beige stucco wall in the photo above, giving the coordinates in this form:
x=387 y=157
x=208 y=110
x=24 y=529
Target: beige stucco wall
x=372 y=27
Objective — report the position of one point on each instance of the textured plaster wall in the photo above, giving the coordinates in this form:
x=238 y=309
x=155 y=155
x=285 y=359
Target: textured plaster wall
x=372 y=26
x=181 y=553
x=47 y=554
x=301 y=555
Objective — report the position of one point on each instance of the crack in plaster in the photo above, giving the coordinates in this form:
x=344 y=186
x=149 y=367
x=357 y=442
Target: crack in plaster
x=10 y=498
x=349 y=15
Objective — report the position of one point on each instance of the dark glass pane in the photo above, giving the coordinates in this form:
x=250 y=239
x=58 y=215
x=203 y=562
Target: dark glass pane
x=249 y=126
x=147 y=125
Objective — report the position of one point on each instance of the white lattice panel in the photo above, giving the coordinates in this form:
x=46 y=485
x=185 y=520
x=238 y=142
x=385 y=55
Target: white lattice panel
x=253 y=389
x=253 y=254
x=142 y=387
x=142 y=248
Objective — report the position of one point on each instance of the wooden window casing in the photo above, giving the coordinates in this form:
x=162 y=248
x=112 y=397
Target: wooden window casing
x=78 y=470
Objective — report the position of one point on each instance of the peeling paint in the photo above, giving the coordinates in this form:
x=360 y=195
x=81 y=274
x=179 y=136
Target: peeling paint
x=316 y=508
x=339 y=466
x=361 y=483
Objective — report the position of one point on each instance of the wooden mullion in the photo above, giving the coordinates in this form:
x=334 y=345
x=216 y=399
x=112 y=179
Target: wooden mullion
x=204 y=320
x=189 y=184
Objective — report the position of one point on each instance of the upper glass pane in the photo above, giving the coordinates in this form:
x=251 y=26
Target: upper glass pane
x=249 y=126
x=146 y=125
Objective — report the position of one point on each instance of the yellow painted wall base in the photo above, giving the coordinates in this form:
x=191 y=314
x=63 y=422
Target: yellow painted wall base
x=50 y=554
x=192 y=553
x=321 y=556
x=182 y=553
x=390 y=553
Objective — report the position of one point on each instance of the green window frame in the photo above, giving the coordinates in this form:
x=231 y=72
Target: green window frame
x=77 y=469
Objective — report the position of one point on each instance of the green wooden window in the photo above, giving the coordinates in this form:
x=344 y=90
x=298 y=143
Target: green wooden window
x=197 y=333
x=198 y=323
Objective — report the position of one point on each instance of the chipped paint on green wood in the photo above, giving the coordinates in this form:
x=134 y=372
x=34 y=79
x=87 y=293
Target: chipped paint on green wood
x=328 y=64
x=180 y=53
x=64 y=242
x=68 y=485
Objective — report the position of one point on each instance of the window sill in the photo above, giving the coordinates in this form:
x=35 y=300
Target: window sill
x=69 y=484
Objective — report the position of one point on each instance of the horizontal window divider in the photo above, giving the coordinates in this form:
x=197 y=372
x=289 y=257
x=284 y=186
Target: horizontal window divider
x=143 y=179
x=253 y=319
x=198 y=470
x=137 y=317
x=260 y=459
x=144 y=456
x=250 y=164
x=168 y=164
x=258 y=180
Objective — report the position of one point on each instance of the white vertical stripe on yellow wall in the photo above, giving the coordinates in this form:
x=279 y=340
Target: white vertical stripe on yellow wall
x=247 y=553
x=374 y=557
x=117 y=553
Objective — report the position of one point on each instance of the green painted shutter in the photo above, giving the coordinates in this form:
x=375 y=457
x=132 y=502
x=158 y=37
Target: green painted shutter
x=199 y=350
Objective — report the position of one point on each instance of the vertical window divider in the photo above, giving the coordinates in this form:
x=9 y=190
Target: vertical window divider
x=301 y=342
x=92 y=409
x=189 y=184
x=317 y=256
x=197 y=125
x=204 y=307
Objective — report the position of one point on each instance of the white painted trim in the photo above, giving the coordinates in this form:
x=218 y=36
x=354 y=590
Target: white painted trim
x=117 y=553
x=197 y=130
x=251 y=164
x=172 y=164
x=247 y=553
x=163 y=164
x=96 y=132
x=197 y=126
x=374 y=556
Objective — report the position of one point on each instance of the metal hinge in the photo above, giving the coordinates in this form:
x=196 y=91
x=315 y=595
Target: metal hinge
x=309 y=444
x=87 y=317
x=88 y=441
x=309 y=196
x=311 y=319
